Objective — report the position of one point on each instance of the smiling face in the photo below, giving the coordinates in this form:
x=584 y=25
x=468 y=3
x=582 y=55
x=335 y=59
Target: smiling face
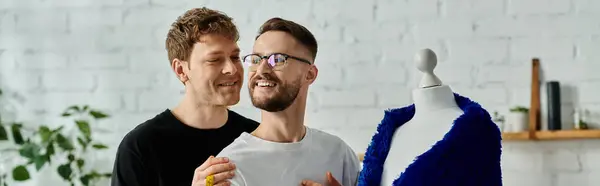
x=203 y=53
x=275 y=88
x=214 y=73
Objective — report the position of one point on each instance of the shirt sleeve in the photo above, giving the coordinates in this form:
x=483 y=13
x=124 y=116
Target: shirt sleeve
x=129 y=169
x=351 y=168
x=238 y=179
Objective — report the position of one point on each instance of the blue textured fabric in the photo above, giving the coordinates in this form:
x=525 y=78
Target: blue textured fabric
x=468 y=155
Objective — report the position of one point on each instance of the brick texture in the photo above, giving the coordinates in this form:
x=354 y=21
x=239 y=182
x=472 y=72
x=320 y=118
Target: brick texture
x=110 y=54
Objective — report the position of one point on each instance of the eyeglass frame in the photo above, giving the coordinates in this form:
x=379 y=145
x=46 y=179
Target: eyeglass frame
x=286 y=57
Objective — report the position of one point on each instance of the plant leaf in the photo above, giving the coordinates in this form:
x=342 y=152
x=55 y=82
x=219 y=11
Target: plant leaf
x=45 y=133
x=71 y=110
x=64 y=143
x=3 y=133
x=99 y=146
x=85 y=179
x=50 y=149
x=65 y=171
x=29 y=150
x=40 y=160
x=80 y=163
x=85 y=108
x=98 y=114
x=20 y=173
x=58 y=129
x=82 y=143
x=84 y=127
x=16 y=131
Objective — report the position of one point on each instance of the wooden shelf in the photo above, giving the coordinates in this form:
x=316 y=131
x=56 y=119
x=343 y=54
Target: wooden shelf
x=534 y=118
x=552 y=135
x=541 y=136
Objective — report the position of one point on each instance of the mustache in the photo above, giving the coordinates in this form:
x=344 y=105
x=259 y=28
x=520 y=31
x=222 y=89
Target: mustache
x=268 y=77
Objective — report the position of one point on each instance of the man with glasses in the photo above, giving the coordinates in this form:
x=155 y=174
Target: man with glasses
x=282 y=150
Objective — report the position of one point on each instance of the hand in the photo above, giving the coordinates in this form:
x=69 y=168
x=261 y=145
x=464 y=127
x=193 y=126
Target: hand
x=221 y=168
x=331 y=181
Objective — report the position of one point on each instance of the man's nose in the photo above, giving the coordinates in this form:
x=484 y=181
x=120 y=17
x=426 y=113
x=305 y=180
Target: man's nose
x=230 y=67
x=263 y=67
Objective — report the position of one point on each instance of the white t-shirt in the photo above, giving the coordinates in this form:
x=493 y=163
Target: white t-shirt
x=265 y=163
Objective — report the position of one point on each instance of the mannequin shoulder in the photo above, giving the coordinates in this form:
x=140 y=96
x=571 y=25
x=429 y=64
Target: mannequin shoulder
x=480 y=120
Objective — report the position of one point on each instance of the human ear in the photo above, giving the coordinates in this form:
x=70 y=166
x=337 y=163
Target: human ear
x=311 y=76
x=178 y=67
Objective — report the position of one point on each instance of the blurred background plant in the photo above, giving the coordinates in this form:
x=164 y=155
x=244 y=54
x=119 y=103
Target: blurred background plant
x=44 y=146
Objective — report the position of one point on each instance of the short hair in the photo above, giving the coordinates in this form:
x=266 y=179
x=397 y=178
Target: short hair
x=192 y=25
x=299 y=32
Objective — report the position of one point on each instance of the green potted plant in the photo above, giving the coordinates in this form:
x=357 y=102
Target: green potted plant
x=52 y=147
x=499 y=120
x=517 y=119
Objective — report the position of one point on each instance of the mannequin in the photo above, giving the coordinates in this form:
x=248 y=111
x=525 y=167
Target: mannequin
x=432 y=98
x=427 y=139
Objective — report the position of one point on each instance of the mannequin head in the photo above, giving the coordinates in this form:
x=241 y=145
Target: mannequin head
x=281 y=65
x=426 y=60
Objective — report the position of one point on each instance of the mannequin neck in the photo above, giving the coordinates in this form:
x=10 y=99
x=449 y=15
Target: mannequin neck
x=433 y=99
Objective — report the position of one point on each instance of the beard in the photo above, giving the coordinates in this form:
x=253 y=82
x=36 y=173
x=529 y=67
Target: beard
x=285 y=94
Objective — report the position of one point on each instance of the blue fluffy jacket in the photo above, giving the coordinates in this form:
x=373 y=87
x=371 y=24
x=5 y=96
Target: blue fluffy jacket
x=468 y=155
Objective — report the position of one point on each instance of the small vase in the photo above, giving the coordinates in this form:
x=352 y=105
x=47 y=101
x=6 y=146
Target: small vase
x=517 y=122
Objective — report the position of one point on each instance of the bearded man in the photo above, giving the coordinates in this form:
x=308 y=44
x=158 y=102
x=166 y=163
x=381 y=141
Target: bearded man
x=282 y=150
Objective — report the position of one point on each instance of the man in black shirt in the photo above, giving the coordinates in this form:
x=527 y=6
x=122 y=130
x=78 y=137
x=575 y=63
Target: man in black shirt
x=175 y=147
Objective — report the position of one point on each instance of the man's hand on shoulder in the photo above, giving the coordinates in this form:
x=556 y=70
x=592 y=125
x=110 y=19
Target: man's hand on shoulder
x=220 y=168
x=331 y=181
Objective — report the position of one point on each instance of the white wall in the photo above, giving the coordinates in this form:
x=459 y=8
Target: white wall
x=110 y=54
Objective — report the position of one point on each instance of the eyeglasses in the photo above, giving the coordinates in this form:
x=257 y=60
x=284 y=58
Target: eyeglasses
x=276 y=60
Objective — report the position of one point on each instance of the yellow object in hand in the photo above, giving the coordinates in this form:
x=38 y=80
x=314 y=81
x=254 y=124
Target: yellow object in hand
x=210 y=180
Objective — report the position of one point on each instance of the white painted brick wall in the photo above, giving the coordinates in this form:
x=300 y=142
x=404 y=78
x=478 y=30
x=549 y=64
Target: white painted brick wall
x=110 y=54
